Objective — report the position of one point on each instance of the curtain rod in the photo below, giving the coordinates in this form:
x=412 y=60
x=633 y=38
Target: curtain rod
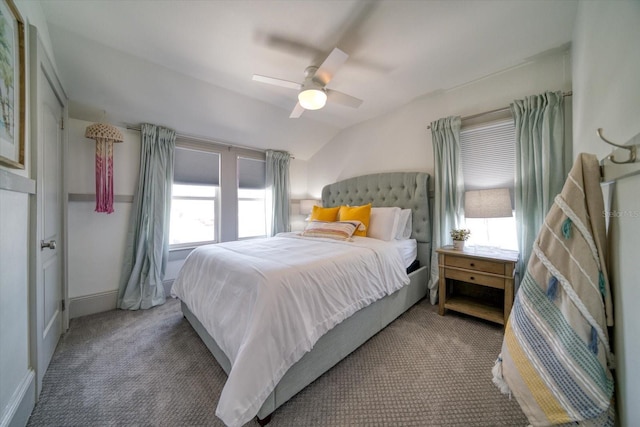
x=207 y=140
x=497 y=110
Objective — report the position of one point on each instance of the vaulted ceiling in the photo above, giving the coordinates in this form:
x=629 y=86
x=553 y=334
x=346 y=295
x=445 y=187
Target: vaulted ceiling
x=189 y=64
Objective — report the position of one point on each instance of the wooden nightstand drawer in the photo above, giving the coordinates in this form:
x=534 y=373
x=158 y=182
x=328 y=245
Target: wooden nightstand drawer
x=476 y=278
x=475 y=264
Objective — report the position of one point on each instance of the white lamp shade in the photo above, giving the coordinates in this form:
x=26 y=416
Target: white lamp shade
x=306 y=206
x=493 y=203
x=312 y=99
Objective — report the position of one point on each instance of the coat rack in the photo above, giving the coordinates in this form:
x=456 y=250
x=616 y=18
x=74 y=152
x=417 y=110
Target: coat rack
x=622 y=162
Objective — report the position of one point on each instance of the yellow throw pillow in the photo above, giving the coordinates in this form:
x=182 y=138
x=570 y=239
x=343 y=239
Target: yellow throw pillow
x=358 y=213
x=324 y=214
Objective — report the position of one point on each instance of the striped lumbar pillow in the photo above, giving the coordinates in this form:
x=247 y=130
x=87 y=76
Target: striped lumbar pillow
x=339 y=230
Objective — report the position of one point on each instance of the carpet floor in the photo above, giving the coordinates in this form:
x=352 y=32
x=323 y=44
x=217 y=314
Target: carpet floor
x=149 y=368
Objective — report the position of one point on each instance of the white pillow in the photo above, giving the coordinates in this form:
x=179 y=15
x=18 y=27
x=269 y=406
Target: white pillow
x=405 y=225
x=383 y=223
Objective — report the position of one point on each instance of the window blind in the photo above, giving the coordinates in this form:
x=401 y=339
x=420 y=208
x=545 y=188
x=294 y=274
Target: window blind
x=488 y=154
x=196 y=167
x=251 y=173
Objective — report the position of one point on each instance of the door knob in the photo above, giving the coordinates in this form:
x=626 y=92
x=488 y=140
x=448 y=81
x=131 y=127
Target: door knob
x=51 y=244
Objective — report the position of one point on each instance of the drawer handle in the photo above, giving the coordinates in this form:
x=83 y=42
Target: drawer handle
x=472 y=265
x=472 y=278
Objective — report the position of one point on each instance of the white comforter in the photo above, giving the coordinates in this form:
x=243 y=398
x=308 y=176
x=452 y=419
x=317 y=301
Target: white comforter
x=266 y=302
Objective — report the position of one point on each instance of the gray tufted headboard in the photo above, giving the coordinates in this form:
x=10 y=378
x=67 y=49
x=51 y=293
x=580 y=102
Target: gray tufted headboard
x=406 y=190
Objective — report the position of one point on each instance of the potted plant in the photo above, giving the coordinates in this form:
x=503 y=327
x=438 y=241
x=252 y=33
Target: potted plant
x=459 y=235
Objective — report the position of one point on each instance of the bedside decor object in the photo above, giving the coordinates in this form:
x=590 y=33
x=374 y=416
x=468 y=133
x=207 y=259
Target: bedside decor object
x=459 y=235
x=484 y=205
x=105 y=135
x=12 y=86
x=492 y=203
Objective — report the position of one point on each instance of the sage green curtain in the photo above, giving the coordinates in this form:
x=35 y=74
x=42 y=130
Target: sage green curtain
x=277 y=180
x=448 y=211
x=543 y=160
x=147 y=249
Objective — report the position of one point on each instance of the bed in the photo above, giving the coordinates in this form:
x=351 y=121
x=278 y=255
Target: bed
x=407 y=190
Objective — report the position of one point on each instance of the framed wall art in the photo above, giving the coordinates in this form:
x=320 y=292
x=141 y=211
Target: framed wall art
x=12 y=86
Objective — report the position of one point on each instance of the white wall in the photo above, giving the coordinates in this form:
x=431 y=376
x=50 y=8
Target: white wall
x=96 y=241
x=298 y=177
x=17 y=383
x=400 y=141
x=606 y=70
x=15 y=372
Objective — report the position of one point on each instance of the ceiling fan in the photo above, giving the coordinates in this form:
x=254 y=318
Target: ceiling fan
x=312 y=92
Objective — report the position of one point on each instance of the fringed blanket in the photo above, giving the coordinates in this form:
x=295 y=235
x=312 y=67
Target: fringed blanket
x=555 y=355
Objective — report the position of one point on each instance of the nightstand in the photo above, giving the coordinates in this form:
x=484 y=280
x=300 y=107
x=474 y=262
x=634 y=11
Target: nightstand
x=488 y=273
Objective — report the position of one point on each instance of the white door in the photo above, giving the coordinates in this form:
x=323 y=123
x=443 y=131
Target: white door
x=49 y=293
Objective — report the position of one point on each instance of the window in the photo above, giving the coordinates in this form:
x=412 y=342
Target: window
x=193 y=218
x=195 y=198
x=251 y=213
x=218 y=194
x=488 y=154
x=251 y=198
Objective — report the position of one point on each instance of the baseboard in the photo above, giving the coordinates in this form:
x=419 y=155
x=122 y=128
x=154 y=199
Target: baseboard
x=22 y=403
x=92 y=304
x=104 y=301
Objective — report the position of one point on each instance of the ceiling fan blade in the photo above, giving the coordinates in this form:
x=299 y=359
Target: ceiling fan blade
x=297 y=111
x=330 y=65
x=343 y=98
x=288 y=45
x=276 y=82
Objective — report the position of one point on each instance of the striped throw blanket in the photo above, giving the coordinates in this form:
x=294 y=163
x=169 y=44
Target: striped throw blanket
x=555 y=355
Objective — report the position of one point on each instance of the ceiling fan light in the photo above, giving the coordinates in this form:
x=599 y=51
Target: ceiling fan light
x=312 y=99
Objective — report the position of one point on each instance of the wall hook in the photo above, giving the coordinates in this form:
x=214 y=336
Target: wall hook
x=630 y=148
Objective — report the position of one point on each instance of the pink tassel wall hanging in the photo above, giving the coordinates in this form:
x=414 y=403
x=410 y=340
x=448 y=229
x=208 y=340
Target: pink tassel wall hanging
x=105 y=135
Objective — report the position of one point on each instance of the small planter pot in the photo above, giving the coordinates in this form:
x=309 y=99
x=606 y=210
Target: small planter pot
x=458 y=245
